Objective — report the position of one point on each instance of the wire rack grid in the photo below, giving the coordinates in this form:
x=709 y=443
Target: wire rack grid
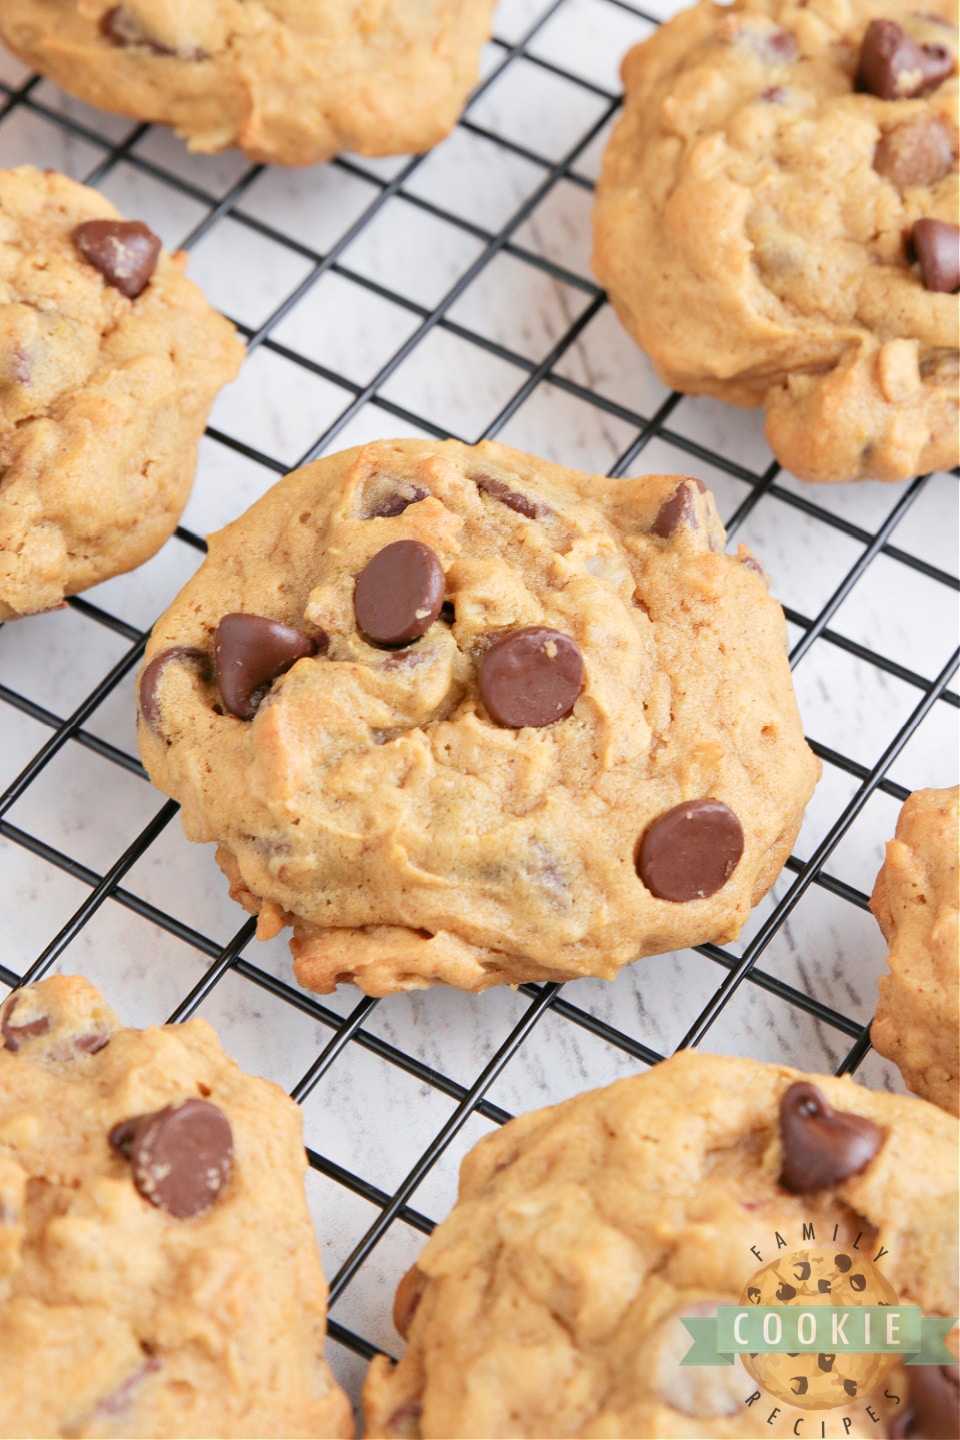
x=451 y=295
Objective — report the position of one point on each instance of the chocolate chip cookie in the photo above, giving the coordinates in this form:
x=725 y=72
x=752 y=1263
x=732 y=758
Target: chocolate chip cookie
x=776 y=224
x=549 y=1302
x=457 y=714
x=109 y=362
x=158 y=1269
x=288 y=81
x=916 y=901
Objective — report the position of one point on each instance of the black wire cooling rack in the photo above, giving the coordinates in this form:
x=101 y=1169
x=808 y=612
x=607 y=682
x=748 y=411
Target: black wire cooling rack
x=871 y=611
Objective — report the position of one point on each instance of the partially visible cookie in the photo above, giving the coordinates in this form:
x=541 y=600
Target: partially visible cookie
x=109 y=362
x=159 y=1274
x=288 y=81
x=917 y=903
x=549 y=1302
x=776 y=224
x=457 y=714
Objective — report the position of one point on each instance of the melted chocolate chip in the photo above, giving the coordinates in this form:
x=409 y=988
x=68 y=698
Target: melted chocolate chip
x=749 y=562
x=123 y=28
x=92 y=1043
x=181 y=1156
x=773 y=95
x=394 y=503
x=408 y=1297
x=124 y=251
x=531 y=677
x=917 y=152
x=14 y=1035
x=399 y=593
x=150 y=707
x=894 y=67
x=933 y=1405
x=251 y=652
x=822 y=1146
x=690 y=851
x=497 y=490
x=680 y=508
x=937 y=247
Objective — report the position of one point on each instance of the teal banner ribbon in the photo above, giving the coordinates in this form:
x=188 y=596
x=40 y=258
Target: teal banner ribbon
x=825 y=1329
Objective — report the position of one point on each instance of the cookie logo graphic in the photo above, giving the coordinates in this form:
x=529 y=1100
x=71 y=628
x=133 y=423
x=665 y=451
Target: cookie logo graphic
x=819 y=1329
x=810 y=1280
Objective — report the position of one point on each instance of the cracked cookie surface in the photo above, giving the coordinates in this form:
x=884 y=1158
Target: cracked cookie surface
x=103 y=397
x=122 y=1311
x=755 y=220
x=288 y=81
x=917 y=905
x=586 y=671
x=548 y=1303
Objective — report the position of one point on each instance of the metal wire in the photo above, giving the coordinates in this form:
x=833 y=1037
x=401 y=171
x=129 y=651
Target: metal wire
x=352 y=1031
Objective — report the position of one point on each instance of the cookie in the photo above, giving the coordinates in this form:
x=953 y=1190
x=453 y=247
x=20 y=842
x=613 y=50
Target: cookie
x=109 y=362
x=158 y=1269
x=288 y=81
x=548 y=1303
x=916 y=900
x=776 y=224
x=459 y=714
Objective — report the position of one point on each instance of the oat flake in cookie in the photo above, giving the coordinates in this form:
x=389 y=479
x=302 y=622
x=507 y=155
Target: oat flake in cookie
x=109 y=362
x=549 y=1302
x=776 y=224
x=457 y=714
x=288 y=81
x=917 y=904
x=159 y=1274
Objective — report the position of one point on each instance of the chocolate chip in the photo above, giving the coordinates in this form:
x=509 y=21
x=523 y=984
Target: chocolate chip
x=14 y=1035
x=251 y=651
x=894 y=67
x=531 y=677
x=680 y=509
x=843 y=1263
x=917 y=152
x=123 y=28
x=497 y=490
x=399 y=593
x=150 y=680
x=822 y=1146
x=408 y=1297
x=937 y=247
x=92 y=1043
x=933 y=1404
x=124 y=251
x=394 y=503
x=181 y=1156
x=690 y=851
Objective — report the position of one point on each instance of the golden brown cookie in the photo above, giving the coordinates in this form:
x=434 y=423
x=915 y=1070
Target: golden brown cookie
x=917 y=902
x=457 y=714
x=159 y=1274
x=776 y=224
x=549 y=1302
x=288 y=81
x=109 y=362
